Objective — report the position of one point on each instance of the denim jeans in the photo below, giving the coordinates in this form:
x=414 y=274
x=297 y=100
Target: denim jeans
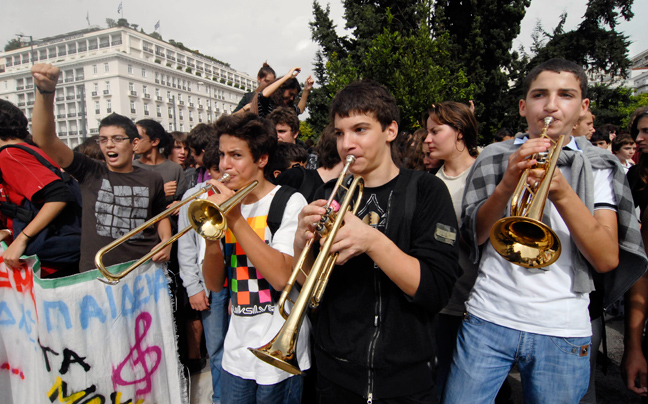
x=236 y=390
x=215 y=322
x=553 y=369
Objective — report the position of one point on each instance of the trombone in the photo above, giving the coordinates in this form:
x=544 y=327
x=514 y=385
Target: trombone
x=281 y=351
x=523 y=239
x=205 y=217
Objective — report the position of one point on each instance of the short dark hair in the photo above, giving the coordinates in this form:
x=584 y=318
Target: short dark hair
x=608 y=127
x=180 y=137
x=620 y=141
x=597 y=136
x=326 y=149
x=120 y=121
x=460 y=118
x=365 y=97
x=285 y=154
x=286 y=116
x=636 y=116
x=13 y=122
x=265 y=70
x=91 y=148
x=502 y=133
x=200 y=137
x=557 y=65
x=259 y=134
x=212 y=155
x=154 y=131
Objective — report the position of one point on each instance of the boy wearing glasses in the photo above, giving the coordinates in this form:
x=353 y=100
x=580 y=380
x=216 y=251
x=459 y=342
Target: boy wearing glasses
x=117 y=197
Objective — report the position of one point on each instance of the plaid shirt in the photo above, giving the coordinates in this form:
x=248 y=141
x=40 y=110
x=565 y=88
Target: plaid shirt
x=488 y=171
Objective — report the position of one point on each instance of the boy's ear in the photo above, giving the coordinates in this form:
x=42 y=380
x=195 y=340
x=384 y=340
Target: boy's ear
x=522 y=107
x=584 y=106
x=263 y=161
x=276 y=173
x=155 y=142
x=392 y=131
x=296 y=135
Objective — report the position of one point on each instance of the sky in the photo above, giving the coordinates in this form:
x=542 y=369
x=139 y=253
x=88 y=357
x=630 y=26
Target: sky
x=245 y=33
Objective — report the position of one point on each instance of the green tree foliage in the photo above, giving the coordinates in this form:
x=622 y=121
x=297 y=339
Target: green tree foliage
x=595 y=44
x=155 y=35
x=396 y=50
x=481 y=34
x=12 y=44
x=614 y=105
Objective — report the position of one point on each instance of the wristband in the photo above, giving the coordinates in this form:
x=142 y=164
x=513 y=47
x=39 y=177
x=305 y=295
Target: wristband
x=40 y=90
x=26 y=235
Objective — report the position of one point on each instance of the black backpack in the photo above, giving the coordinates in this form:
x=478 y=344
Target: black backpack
x=60 y=241
x=277 y=207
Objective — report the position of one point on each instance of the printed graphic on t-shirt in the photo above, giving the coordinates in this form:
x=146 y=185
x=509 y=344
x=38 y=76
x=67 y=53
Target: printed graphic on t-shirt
x=373 y=214
x=120 y=209
x=251 y=292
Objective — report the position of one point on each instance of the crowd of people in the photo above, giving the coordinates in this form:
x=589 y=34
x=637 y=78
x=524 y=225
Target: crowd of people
x=420 y=306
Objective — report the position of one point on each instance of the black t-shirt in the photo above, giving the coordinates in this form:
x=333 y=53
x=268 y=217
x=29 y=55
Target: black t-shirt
x=306 y=182
x=114 y=204
x=639 y=189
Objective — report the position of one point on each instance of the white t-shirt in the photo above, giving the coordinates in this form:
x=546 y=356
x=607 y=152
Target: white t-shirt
x=538 y=301
x=255 y=320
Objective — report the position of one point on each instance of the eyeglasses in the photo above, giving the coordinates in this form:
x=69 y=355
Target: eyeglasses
x=114 y=139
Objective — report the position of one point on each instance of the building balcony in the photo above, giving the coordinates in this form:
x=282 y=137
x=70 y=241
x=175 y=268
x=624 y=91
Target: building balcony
x=104 y=44
x=149 y=50
x=145 y=113
x=106 y=92
x=81 y=113
x=60 y=116
x=147 y=95
x=30 y=102
x=133 y=111
x=60 y=98
x=69 y=97
x=63 y=132
x=199 y=120
x=20 y=88
x=191 y=105
x=157 y=81
x=95 y=94
x=79 y=78
x=188 y=88
x=180 y=102
x=82 y=48
x=73 y=132
x=170 y=100
x=170 y=116
x=158 y=98
x=97 y=111
x=133 y=94
x=72 y=51
x=71 y=114
x=94 y=130
x=159 y=114
x=200 y=106
x=181 y=117
x=69 y=79
x=190 y=119
x=93 y=46
x=116 y=42
x=78 y=96
x=21 y=104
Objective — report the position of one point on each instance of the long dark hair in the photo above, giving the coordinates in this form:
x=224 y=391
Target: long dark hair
x=642 y=165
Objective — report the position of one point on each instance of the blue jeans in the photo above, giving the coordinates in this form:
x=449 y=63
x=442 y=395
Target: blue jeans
x=215 y=322
x=236 y=390
x=553 y=369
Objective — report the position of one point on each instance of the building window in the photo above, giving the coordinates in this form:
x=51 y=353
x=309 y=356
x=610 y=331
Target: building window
x=97 y=107
x=157 y=92
x=106 y=67
x=107 y=87
x=95 y=87
x=143 y=72
x=108 y=106
x=132 y=107
x=130 y=69
x=95 y=70
x=144 y=89
x=131 y=87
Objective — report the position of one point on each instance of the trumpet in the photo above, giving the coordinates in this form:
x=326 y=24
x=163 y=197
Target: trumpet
x=523 y=239
x=281 y=351
x=205 y=217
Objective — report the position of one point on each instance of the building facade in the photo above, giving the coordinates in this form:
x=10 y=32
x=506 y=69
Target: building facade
x=124 y=71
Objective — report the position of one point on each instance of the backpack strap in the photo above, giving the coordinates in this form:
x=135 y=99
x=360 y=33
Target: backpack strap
x=38 y=157
x=277 y=207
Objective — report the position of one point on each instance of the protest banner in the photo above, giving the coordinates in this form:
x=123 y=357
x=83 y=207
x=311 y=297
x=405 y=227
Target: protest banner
x=78 y=340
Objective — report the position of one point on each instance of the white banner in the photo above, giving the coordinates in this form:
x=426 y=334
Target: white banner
x=78 y=340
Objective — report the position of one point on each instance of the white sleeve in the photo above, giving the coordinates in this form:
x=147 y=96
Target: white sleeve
x=284 y=237
x=189 y=253
x=604 y=197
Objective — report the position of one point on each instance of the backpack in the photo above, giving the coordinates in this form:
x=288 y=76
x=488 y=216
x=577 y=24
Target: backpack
x=60 y=241
x=277 y=208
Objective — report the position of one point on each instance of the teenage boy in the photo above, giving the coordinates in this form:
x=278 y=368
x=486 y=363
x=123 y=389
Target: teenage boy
x=198 y=141
x=538 y=319
x=286 y=123
x=623 y=147
x=397 y=263
x=257 y=264
x=117 y=197
x=600 y=139
x=153 y=138
x=211 y=306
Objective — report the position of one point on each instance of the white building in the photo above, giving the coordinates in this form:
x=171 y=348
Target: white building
x=638 y=78
x=124 y=71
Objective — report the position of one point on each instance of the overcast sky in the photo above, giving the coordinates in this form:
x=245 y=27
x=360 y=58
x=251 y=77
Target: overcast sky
x=245 y=33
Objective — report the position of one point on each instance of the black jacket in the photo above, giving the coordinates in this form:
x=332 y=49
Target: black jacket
x=372 y=338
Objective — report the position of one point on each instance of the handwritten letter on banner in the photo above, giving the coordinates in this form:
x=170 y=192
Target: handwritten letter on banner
x=78 y=340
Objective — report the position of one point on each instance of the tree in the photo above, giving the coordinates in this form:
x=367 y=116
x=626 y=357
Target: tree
x=594 y=44
x=13 y=44
x=481 y=35
x=396 y=49
x=155 y=35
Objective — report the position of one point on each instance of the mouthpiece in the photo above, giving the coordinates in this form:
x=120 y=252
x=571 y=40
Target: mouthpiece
x=548 y=121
